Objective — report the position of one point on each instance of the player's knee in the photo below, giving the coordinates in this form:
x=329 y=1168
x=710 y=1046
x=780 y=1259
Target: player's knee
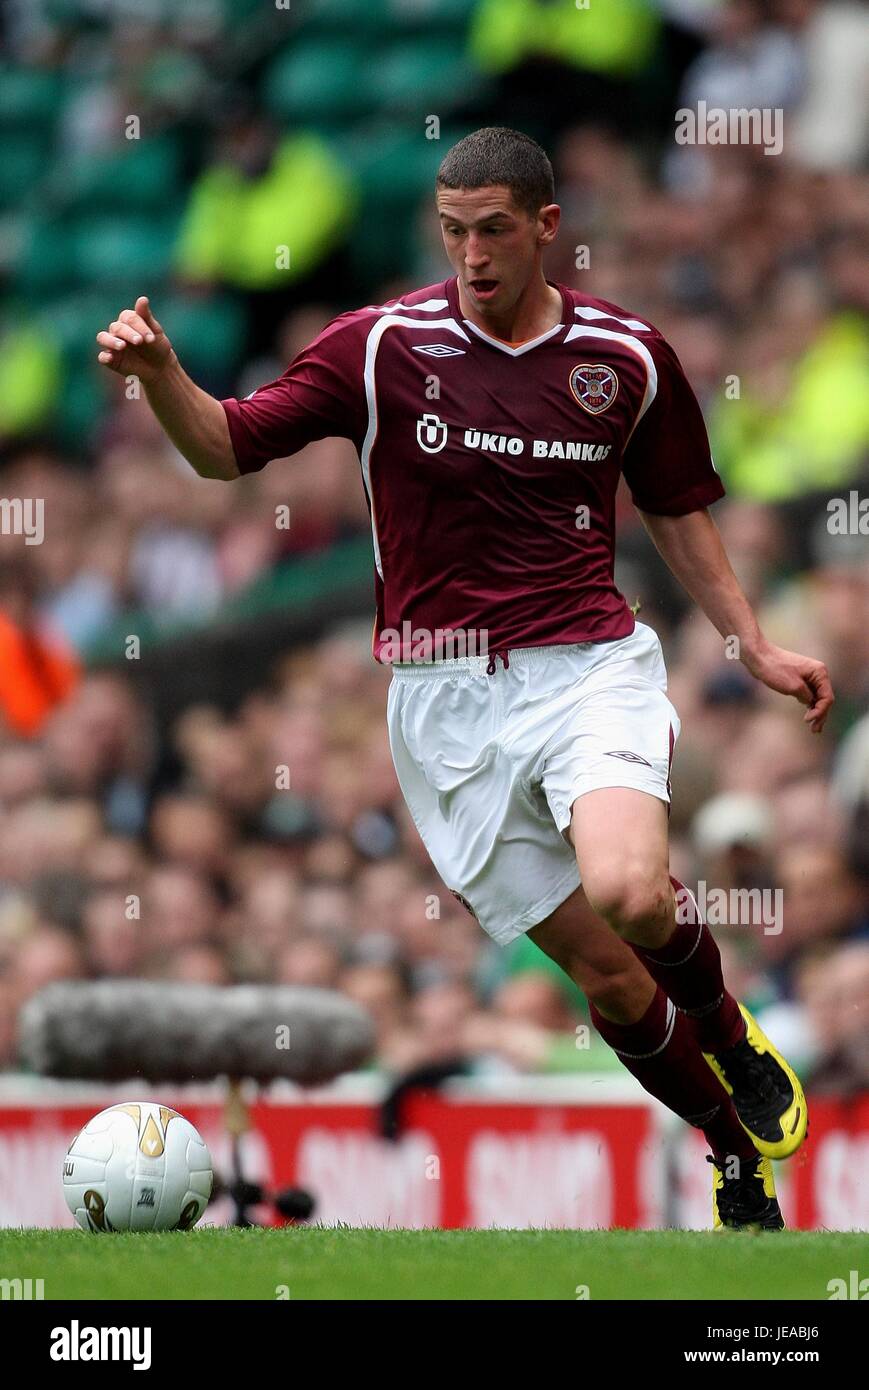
x=629 y=900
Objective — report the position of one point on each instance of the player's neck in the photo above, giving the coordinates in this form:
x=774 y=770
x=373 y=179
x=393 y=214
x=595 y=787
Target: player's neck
x=538 y=309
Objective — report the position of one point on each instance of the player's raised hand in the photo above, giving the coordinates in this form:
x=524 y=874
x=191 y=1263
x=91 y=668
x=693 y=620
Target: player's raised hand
x=135 y=344
x=801 y=676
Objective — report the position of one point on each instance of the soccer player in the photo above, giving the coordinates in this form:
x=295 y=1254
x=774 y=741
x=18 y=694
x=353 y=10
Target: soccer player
x=494 y=414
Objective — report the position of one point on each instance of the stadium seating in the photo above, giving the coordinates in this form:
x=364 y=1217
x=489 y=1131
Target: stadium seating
x=141 y=175
x=320 y=80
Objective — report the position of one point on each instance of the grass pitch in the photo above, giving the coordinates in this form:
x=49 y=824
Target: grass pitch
x=344 y=1264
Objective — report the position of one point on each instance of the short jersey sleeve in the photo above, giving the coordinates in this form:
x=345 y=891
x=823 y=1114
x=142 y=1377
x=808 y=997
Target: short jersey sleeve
x=320 y=394
x=667 y=463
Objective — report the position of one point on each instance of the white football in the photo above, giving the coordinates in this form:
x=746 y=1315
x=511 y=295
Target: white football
x=137 y=1167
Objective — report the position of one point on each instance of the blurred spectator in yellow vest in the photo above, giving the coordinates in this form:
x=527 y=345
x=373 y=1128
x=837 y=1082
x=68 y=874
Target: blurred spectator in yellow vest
x=615 y=38
x=267 y=211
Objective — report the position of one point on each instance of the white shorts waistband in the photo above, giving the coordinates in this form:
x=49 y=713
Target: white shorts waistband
x=520 y=657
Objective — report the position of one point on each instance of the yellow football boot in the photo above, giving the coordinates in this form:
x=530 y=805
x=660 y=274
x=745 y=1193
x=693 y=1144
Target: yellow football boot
x=766 y=1092
x=743 y=1195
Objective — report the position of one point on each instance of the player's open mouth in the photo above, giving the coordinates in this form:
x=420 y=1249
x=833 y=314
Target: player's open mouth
x=484 y=289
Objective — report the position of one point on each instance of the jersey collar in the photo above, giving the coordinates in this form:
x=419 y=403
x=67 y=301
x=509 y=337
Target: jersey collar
x=452 y=291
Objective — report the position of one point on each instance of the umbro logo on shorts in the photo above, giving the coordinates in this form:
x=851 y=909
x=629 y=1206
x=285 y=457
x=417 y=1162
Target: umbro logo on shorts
x=439 y=350
x=629 y=757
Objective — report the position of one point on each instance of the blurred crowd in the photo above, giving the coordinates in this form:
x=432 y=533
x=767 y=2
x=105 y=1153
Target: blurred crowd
x=140 y=533
x=180 y=852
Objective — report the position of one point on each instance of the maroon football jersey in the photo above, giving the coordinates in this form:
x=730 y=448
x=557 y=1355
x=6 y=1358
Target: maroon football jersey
x=490 y=469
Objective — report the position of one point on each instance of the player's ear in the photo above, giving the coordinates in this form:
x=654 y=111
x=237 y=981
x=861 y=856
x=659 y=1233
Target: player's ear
x=548 y=219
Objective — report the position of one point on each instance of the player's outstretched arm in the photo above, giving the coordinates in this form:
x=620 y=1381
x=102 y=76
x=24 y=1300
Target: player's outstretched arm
x=692 y=548
x=136 y=345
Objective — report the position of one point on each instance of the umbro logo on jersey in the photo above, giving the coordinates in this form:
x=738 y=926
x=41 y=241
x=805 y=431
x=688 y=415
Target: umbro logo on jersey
x=629 y=758
x=594 y=387
x=439 y=350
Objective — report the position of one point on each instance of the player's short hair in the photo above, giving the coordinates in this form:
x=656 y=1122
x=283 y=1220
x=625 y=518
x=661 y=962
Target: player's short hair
x=497 y=155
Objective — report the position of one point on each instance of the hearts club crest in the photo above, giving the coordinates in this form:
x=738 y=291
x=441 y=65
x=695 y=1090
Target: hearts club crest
x=594 y=387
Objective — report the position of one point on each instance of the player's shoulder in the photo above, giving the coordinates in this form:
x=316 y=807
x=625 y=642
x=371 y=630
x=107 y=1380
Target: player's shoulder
x=608 y=318
x=429 y=299
x=602 y=321
x=354 y=325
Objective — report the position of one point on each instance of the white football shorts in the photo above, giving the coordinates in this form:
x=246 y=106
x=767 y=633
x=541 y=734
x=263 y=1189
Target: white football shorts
x=490 y=765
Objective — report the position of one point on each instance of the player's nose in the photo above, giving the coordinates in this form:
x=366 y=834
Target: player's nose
x=475 y=255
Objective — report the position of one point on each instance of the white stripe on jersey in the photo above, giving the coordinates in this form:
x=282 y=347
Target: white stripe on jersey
x=581 y=331
x=594 y=314
x=427 y=306
x=371 y=346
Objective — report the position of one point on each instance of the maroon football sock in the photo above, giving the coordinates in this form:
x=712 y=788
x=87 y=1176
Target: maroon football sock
x=688 y=969
x=662 y=1052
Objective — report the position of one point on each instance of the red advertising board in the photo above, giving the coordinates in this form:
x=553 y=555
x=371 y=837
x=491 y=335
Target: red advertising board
x=461 y=1160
